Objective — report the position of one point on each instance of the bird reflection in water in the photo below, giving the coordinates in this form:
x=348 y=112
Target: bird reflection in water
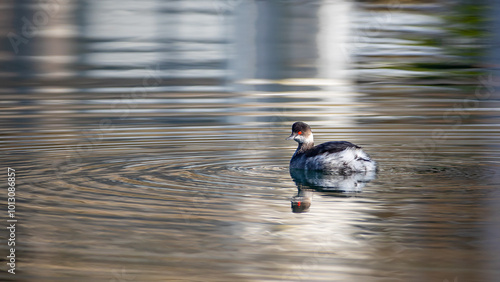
x=309 y=181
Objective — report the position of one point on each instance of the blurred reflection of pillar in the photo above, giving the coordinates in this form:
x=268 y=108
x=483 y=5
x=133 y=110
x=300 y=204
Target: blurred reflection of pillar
x=332 y=40
x=273 y=40
x=257 y=37
x=278 y=39
x=56 y=45
x=39 y=39
x=21 y=39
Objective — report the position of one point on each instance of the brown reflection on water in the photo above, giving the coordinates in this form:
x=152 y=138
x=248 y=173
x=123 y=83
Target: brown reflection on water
x=149 y=144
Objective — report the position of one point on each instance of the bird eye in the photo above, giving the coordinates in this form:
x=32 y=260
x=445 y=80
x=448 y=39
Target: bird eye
x=299 y=133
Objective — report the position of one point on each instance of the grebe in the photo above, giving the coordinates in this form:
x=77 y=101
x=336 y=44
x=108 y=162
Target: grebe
x=331 y=157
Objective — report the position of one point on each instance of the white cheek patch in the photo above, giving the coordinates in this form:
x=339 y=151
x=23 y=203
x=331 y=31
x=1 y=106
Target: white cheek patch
x=301 y=139
x=309 y=139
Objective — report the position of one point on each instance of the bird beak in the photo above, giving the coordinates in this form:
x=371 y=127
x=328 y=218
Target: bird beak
x=291 y=137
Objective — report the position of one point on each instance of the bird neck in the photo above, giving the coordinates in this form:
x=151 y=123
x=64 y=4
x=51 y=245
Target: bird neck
x=304 y=146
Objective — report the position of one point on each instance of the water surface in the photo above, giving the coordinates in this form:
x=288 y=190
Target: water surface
x=148 y=142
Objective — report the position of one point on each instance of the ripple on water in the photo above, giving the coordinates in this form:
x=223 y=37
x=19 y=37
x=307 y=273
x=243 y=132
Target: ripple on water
x=180 y=178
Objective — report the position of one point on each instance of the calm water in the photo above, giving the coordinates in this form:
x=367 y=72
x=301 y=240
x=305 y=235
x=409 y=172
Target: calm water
x=148 y=141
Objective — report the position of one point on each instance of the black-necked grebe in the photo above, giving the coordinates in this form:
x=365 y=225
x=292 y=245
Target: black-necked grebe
x=336 y=156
